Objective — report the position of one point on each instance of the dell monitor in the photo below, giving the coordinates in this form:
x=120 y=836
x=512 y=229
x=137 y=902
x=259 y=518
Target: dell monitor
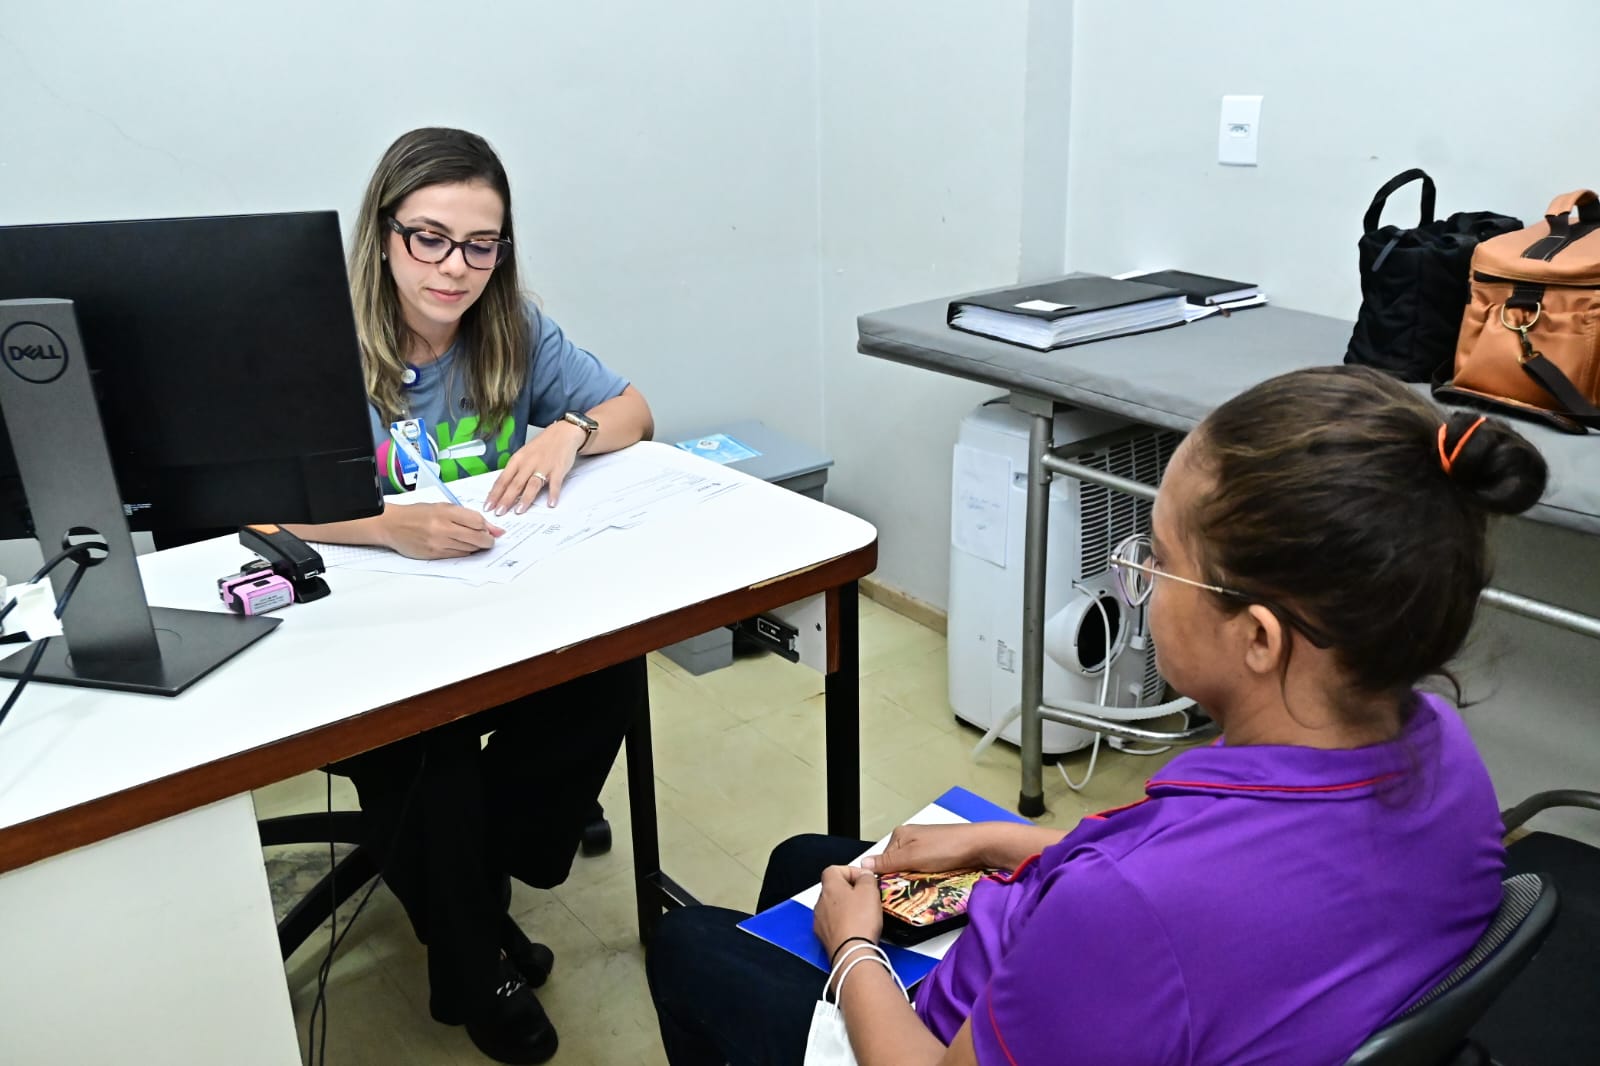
x=173 y=375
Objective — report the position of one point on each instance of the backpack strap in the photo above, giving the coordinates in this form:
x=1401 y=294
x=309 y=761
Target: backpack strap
x=1375 y=212
x=1557 y=384
x=1587 y=203
x=1559 y=218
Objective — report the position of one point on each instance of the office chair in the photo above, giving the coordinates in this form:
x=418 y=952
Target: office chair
x=1551 y=1015
x=1433 y=1032
x=349 y=874
x=356 y=867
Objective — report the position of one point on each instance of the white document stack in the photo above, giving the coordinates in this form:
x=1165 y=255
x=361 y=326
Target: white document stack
x=614 y=491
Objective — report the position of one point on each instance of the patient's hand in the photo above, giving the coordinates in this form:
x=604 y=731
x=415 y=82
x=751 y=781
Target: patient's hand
x=933 y=848
x=850 y=906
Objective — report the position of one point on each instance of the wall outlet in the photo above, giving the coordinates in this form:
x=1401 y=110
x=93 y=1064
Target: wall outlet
x=1239 y=131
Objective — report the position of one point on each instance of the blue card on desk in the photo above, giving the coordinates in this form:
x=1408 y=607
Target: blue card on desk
x=789 y=924
x=719 y=448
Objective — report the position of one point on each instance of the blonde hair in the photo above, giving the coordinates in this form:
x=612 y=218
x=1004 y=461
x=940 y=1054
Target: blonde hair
x=494 y=330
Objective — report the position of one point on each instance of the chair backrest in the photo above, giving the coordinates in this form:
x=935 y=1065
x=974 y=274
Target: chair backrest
x=1432 y=1029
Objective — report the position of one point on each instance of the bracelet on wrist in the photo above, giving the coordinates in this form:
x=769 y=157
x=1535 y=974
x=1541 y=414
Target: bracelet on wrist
x=833 y=956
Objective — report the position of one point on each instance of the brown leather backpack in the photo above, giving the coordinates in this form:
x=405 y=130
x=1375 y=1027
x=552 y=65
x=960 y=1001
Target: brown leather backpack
x=1530 y=334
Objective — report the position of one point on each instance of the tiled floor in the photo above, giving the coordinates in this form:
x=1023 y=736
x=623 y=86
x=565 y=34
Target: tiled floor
x=739 y=767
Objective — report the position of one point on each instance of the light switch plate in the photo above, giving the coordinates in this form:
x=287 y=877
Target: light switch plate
x=1239 y=131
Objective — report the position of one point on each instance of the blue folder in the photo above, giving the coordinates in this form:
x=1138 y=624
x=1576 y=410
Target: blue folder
x=788 y=925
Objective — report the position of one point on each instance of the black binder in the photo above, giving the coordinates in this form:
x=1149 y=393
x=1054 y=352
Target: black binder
x=1070 y=311
x=1080 y=295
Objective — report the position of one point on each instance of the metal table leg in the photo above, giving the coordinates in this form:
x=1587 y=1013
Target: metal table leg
x=1036 y=538
x=653 y=891
x=842 y=712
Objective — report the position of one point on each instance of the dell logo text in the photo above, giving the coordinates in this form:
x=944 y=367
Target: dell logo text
x=34 y=352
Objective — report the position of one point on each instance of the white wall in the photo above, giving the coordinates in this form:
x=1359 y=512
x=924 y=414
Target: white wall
x=1355 y=93
x=663 y=156
x=924 y=122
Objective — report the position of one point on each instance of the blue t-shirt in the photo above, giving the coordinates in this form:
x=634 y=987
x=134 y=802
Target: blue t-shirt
x=562 y=377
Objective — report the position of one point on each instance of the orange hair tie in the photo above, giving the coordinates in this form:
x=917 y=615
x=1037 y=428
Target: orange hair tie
x=1447 y=461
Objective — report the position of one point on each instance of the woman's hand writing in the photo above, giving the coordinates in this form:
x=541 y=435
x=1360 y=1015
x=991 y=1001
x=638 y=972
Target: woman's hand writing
x=436 y=530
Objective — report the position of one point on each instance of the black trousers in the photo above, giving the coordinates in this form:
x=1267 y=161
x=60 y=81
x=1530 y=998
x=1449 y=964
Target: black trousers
x=451 y=818
x=724 y=996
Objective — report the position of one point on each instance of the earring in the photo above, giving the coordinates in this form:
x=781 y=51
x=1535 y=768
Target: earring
x=384 y=256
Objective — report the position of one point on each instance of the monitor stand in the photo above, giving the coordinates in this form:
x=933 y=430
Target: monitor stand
x=112 y=637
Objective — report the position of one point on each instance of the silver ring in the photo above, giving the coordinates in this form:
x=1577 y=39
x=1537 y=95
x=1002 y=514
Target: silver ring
x=541 y=477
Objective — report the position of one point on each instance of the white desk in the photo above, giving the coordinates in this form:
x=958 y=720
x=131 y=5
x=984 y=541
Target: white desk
x=135 y=919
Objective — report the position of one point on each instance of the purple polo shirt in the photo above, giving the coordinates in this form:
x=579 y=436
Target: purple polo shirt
x=1260 y=905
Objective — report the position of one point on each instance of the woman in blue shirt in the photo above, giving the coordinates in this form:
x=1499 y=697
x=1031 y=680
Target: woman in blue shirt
x=461 y=365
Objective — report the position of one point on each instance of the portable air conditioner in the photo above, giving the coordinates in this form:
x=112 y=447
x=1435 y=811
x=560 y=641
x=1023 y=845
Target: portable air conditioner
x=988 y=515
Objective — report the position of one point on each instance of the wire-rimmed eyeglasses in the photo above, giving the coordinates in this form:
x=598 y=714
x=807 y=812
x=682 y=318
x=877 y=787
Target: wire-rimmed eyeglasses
x=426 y=246
x=1134 y=562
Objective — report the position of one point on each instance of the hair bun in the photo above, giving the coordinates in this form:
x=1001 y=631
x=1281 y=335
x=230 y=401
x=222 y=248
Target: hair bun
x=1493 y=463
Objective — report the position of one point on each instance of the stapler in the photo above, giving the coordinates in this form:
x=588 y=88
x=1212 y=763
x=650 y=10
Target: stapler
x=290 y=558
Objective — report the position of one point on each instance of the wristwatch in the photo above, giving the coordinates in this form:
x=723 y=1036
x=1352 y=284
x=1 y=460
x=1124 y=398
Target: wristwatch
x=589 y=426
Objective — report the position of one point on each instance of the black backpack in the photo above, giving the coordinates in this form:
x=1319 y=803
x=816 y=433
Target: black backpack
x=1414 y=284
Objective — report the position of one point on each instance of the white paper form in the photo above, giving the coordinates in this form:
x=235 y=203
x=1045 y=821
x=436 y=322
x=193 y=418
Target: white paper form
x=528 y=538
x=613 y=491
x=979 y=503
x=610 y=491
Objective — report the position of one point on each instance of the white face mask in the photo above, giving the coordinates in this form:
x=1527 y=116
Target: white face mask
x=828 y=1043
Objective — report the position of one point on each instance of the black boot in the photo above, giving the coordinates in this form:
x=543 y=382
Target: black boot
x=533 y=961
x=512 y=1027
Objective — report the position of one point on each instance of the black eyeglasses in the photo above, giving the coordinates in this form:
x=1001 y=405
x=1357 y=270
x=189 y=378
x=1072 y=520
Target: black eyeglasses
x=426 y=246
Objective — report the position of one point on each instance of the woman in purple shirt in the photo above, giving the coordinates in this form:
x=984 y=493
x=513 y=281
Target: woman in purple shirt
x=1317 y=550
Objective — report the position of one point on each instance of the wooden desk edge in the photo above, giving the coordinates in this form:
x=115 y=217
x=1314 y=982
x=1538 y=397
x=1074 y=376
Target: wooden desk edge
x=106 y=816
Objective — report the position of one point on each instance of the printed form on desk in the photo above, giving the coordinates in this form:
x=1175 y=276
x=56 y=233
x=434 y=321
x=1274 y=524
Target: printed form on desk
x=614 y=491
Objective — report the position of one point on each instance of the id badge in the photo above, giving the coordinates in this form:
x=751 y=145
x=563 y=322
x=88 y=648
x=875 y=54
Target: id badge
x=415 y=433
